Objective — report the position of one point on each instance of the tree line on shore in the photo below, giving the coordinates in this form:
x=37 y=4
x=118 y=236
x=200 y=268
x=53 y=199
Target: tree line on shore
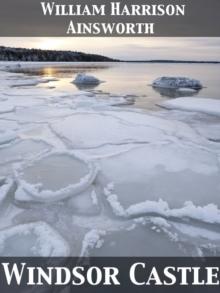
x=37 y=55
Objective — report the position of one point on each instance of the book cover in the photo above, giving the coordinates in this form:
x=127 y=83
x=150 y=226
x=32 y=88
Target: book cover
x=109 y=146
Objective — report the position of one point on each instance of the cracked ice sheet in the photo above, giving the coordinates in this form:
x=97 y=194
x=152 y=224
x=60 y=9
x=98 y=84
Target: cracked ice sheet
x=38 y=114
x=11 y=104
x=122 y=243
x=119 y=128
x=87 y=130
x=167 y=131
x=163 y=171
x=6 y=136
x=177 y=239
x=203 y=238
x=207 y=126
x=21 y=150
x=193 y=238
x=42 y=132
x=7 y=126
x=33 y=92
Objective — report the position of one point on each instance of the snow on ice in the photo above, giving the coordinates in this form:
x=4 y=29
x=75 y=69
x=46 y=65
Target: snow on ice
x=202 y=105
x=93 y=239
x=208 y=214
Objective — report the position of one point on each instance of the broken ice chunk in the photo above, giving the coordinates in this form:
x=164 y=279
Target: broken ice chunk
x=177 y=82
x=82 y=78
x=34 y=239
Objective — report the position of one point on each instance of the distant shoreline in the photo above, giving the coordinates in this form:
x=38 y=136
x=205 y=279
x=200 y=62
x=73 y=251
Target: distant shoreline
x=119 y=61
x=36 y=55
x=174 y=61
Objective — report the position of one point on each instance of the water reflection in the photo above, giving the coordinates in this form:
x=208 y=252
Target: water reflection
x=84 y=87
x=175 y=93
x=60 y=71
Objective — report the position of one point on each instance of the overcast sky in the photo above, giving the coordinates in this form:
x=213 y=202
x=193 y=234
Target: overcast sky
x=128 y=48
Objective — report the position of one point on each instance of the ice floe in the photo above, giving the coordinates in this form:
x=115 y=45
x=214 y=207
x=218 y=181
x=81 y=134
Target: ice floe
x=33 y=239
x=202 y=105
x=56 y=176
x=82 y=78
x=177 y=82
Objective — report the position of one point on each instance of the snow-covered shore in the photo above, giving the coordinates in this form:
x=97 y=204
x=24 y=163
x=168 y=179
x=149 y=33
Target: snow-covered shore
x=100 y=169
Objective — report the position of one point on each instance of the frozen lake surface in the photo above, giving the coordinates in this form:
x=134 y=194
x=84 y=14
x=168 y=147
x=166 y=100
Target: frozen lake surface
x=114 y=169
